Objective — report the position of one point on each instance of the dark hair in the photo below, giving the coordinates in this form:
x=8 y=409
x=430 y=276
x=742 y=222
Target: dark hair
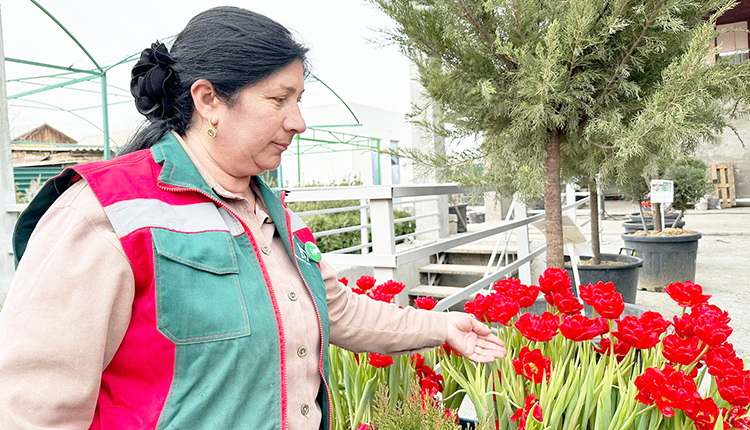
x=230 y=47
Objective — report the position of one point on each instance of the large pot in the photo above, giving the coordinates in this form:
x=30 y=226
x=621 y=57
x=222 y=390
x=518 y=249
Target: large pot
x=624 y=276
x=635 y=216
x=461 y=215
x=666 y=259
x=633 y=226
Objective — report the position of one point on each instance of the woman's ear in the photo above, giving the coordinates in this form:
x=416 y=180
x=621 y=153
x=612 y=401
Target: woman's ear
x=205 y=100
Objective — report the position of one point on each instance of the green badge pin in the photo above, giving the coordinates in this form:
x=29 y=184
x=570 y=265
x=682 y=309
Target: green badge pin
x=313 y=251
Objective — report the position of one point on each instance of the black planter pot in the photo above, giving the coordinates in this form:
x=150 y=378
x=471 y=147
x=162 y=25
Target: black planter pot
x=666 y=259
x=624 y=276
x=635 y=216
x=633 y=226
x=461 y=215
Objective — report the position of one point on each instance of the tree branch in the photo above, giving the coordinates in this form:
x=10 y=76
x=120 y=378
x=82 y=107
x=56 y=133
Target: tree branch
x=627 y=56
x=509 y=64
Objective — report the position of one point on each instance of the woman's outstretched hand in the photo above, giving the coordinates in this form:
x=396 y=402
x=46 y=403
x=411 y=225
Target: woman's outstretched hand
x=473 y=339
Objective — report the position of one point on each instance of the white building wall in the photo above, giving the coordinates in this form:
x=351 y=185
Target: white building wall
x=332 y=167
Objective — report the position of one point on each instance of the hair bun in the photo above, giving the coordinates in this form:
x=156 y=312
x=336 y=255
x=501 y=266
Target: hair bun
x=152 y=81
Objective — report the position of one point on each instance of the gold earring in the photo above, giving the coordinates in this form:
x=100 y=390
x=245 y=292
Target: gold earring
x=212 y=131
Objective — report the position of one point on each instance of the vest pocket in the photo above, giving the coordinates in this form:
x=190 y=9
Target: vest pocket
x=198 y=293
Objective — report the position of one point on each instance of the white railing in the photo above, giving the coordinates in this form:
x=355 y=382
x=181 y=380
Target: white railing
x=524 y=254
x=384 y=259
x=379 y=201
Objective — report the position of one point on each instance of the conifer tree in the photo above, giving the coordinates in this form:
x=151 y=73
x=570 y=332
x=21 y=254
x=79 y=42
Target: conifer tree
x=563 y=89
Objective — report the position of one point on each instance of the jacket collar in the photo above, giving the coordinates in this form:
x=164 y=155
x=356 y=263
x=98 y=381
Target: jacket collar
x=177 y=168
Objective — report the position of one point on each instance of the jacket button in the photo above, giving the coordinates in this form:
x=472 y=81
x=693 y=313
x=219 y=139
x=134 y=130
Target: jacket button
x=265 y=249
x=305 y=409
x=292 y=296
x=302 y=351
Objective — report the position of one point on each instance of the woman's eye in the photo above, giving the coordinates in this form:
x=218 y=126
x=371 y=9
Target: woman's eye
x=280 y=99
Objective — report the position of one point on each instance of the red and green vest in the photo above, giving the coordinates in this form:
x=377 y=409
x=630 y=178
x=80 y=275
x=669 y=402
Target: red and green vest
x=205 y=344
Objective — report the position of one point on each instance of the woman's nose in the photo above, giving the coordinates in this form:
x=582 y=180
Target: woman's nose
x=294 y=122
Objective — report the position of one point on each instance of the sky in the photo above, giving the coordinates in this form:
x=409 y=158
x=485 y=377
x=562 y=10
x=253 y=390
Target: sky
x=339 y=33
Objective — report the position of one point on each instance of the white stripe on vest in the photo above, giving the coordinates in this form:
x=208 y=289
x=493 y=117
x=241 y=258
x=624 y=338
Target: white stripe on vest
x=128 y=216
x=295 y=221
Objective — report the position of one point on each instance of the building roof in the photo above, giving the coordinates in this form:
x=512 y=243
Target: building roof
x=43 y=133
x=741 y=12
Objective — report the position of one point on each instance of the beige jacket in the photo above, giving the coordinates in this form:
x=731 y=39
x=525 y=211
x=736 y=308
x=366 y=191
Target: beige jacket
x=70 y=304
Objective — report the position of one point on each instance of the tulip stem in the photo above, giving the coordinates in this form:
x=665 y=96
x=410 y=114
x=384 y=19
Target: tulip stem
x=644 y=410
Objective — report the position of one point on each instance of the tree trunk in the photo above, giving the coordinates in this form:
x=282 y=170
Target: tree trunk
x=656 y=216
x=679 y=217
x=594 y=205
x=643 y=217
x=552 y=202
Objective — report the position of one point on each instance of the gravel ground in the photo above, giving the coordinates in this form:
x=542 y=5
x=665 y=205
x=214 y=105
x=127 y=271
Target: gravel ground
x=723 y=254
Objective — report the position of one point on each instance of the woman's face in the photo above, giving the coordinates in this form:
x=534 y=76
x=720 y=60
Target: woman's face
x=260 y=125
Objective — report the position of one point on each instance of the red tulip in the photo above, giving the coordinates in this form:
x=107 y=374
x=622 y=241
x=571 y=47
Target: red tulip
x=430 y=382
x=448 y=350
x=391 y=287
x=506 y=286
x=722 y=360
x=478 y=306
x=735 y=388
x=554 y=279
x=365 y=282
x=501 y=310
x=681 y=351
x=344 y=281
x=711 y=324
x=684 y=326
x=566 y=302
x=380 y=296
x=579 y=328
x=621 y=349
x=532 y=365
x=590 y=293
x=668 y=389
x=530 y=407
x=643 y=332
x=704 y=413
x=609 y=305
x=379 y=361
x=538 y=328
x=687 y=294
x=738 y=418
x=512 y=288
x=427 y=303
x=417 y=360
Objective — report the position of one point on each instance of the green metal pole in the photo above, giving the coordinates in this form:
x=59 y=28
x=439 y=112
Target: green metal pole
x=299 y=164
x=52 y=87
x=50 y=66
x=59 y=24
x=105 y=116
x=380 y=182
x=280 y=176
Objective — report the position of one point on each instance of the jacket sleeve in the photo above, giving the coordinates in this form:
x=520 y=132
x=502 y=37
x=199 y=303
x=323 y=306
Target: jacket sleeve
x=361 y=324
x=65 y=315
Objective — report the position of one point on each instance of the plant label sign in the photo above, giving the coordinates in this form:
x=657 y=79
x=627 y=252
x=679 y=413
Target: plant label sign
x=662 y=191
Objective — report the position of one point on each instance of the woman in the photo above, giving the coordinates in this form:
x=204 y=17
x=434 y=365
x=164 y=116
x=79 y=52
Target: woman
x=170 y=287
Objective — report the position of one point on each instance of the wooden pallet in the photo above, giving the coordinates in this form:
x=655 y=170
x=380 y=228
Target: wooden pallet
x=722 y=175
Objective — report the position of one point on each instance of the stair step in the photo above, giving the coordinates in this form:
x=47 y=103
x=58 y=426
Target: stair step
x=454 y=269
x=481 y=250
x=436 y=291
